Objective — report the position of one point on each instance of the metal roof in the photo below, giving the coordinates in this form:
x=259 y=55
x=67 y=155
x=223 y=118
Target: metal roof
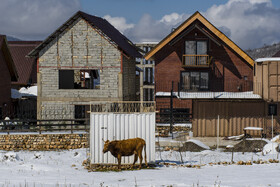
x=7 y=57
x=24 y=65
x=103 y=26
x=276 y=54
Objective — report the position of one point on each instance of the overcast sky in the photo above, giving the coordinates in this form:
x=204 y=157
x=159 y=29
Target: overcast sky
x=249 y=23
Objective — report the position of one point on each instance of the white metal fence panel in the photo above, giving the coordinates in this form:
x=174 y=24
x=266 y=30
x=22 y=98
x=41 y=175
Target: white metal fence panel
x=114 y=126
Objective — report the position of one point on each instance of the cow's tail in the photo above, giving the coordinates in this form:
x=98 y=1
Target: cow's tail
x=145 y=154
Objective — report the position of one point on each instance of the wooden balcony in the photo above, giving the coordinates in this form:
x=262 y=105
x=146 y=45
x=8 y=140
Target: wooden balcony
x=196 y=60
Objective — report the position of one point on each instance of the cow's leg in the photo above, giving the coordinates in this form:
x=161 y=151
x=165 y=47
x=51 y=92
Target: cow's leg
x=140 y=158
x=135 y=159
x=119 y=161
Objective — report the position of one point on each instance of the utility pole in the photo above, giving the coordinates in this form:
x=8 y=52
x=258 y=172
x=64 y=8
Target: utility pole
x=171 y=111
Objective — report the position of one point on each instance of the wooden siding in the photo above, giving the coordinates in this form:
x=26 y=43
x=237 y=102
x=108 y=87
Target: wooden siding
x=234 y=116
x=267 y=80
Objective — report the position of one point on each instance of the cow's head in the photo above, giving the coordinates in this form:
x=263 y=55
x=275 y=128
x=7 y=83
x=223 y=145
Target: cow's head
x=106 y=146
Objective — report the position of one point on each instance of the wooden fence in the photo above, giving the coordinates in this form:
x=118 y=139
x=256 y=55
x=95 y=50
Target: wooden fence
x=234 y=116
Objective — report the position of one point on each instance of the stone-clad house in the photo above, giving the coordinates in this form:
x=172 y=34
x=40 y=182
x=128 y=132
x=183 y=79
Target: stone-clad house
x=86 y=59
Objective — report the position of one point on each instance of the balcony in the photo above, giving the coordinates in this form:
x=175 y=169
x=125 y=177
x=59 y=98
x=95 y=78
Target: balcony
x=196 y=60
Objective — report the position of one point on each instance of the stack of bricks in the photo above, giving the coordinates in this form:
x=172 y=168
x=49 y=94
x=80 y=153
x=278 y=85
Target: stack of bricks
x=41 y=142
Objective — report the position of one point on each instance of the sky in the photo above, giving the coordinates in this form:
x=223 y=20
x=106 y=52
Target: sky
x=249 y=23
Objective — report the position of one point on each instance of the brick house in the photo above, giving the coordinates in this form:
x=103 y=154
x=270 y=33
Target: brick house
x=86 y=59
x=24 y=105
x=8 y=74
x=200 y=61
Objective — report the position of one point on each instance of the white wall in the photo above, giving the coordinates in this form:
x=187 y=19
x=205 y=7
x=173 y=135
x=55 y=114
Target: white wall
x=114 y=126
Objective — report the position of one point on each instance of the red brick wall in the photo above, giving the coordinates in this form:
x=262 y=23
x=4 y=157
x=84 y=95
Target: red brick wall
x=5 y=85
x=226 y=71
x=164 y=102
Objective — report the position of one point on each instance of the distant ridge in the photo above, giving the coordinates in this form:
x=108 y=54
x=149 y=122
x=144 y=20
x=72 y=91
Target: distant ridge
x=10 y=38
x=265 y=51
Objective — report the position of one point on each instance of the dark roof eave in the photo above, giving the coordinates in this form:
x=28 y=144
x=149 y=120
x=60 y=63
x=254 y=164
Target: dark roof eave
x=35 y=52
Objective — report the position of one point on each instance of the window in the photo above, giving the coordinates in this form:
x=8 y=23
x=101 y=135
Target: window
x=80 y=111
x=195 y=52
x=272 y=109
x=79 y=79
x=180 y=115
x=194 y=81
x=66 y=79
x=148 y=76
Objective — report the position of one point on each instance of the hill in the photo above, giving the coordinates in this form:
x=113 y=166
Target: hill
x=10 y=38
x=265 y=51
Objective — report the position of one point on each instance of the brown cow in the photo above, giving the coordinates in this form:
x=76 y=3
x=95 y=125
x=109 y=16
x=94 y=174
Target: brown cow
x=119 y=148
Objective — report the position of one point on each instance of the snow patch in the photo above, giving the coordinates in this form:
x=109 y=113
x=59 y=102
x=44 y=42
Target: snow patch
x=276 y=138
x=268 y=59
x=37 y=156
x=270 y=148
x=212 y=95
x=24 y=92
x=253 y=128
x=10 y=156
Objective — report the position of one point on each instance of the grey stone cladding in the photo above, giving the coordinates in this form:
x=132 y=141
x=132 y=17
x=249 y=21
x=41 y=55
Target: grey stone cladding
x=81 y=47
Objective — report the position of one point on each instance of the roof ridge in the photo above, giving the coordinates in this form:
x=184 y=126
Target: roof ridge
x=121 y=41
x=198 y=16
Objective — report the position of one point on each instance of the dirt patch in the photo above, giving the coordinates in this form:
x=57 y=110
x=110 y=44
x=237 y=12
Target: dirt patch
x=250 y=146
x=113 y=167
x=190 y=146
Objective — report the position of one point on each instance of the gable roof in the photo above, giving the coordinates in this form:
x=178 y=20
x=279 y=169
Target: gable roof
x=276 y=54
x=24 y=65
x=207 y=24
x=7 y=57
x=106 y=29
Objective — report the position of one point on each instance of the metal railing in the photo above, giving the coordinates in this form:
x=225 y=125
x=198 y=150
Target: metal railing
x=39 y=126
x=196 y=60
x=122 y=106
x=210 y=86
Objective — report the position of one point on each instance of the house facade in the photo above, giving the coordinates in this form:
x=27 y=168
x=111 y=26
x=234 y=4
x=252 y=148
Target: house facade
x=8 y=74
x=196 y=61
x=84 y=60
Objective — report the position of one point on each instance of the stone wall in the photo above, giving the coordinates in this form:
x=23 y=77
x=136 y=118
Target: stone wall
x=41 y=142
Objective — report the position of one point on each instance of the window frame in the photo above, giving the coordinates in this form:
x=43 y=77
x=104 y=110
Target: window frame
x=71 y=82
x=272 y=109
x=202 y=40
x=200 y=80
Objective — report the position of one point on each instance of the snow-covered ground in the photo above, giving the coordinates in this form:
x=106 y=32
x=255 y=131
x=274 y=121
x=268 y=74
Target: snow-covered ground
x=22 y=92
x=64 y=168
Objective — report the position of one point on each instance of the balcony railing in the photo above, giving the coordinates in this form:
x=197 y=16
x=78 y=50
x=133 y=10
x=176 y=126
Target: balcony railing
x=196 y=60
x=212 y=86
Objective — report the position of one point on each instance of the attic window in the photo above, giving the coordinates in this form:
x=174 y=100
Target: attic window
x=79 y=79
x=195 y=53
